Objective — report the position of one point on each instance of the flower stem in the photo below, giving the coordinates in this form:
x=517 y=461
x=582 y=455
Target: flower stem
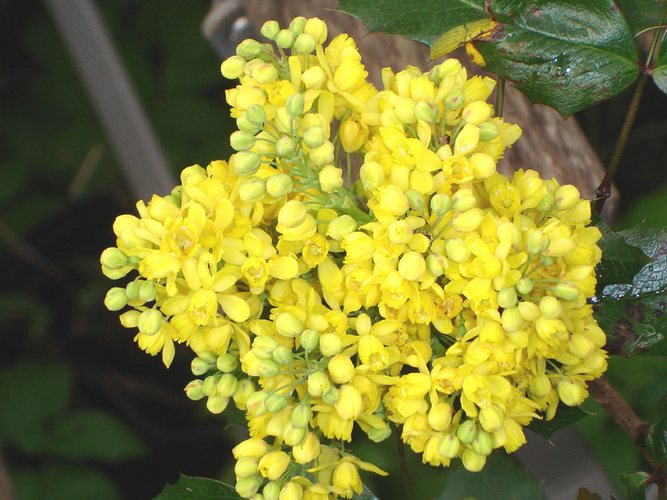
x=500 y=97
x=603 y=192
x=403 y=464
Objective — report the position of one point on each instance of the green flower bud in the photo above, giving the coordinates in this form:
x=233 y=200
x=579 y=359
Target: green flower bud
x=199 y=366
x=216 y=404
x=150 y=322
x=252 y=189
x=294 y=436
x=425 y=111
x=285 y=146
x=524 y=286
x=511 y=319
x=275 y=402
x=488 y=131
x=227 y=385
x=249 y=49
x=449 y=446
x=210 y=385
x=226 y=363
x=483 y=443
x=550 y=307
x=146 y=291
x=271 y=491
x=132 y=290
x=288 y=325
x=455 y=99
x=435 y=263
x=294 y=105
x=115 y=299
x=244 y=390
x=246 y=487
x=472 y=461
x=268 y=368
x=232 y=68
x=415 y=199
x=331 y=396
x=194 y=390
x=264 y=73
x=314 y=137
x=297 y=25
x=243 y=124
x=440 y=204
x=463 y=200
x=507 y=297
x=318 y=384
x=536 y=242
x=301 y=415
x=246 y=163
x=270 y=29
x=256 y=115
x=113 y=258
x=379 y=435
x=566 y=291
x=304 y=44
x=309 y=339
x=282 y=355
x=255 y=404
x=279 y=185
x=467 y=431
x=245 y=467
x=546 y=203
x=241 y=141
x=284 y=39
x=340 y=227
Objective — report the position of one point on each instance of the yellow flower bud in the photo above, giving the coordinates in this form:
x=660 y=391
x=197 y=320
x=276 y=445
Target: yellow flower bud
x=331 y=395
x=483 y=165
x=285 y=146
x=330 y=344
x=271 y=491
x=550 y=307
x=284 y=39
x=265 y=73
x=468 y=221
x=150 y=322
x=115 y=299
x=507 y=297
x=580 y=345
x=466 y=431
x=539 y=386
x=314 y=77
x=279 y=185
x=245 y=163
x=467 y=140
x=270 y=29
x=322 y=155
x=249 y=49
x=405 y=110
x=307 y=451
x=282 y=355
x=425 y=111
x=372 y=175
x=512 y=320
x=349 y=402
x=292 y=214
x=491 y=418
x=457 y=250
x=463 y=200
x=316 y=28
x=488 y=131
x=291 y=491
x=113 y=258
x=194 y=390
x=288 y=325
x=275 y=402
x=309 y=340
x=227 y=385
x=440 y=416
x=341 y=369
x=482 y=444
x=330 y=178
x=566 y=196
x=341 y=227
x=318 y=384
x=314 y=136
x=273 y=465
x=440 y=204
x=216 y=404
x=304 y=44
x=232 y=68
x=476 y=112
x=297 y=25
x=245 y=467
x=567 y=291
x=248 y=486
x=254 y=447
x=412 y=266
x=524 y=286
x=267 y=368
x=570 y=392
x=255 y=403
x=455 y=99
x=472 y=461
x=449 y=446
x=244 y=390
x=353 y=135
x=252 y=190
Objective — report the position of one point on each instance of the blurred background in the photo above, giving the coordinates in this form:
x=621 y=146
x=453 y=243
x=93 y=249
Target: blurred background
x=83 y=412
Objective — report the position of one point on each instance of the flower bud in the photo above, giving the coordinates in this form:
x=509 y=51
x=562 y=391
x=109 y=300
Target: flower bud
x=511 y=319
x=253 y=447
x=288 y=325
x=226 y=363
x=331 y=395
x=524 y=286
x=210 y=385
x=232 y=68
x=150 y=322
x=282 y=355
x=271 y=491
x=291 y=491
x=425 y=111
x=457 y=250
x=284 y=39
x=455 y=99
x=216 y=404
x=132 y=290
x=275 y=402
x=279 y=185
x=294 y=105
x=412 y=266
x=546 y=203
x=194 y=390
x=330 y=344
x=440 y=204
x=491 y=418
x=341 y=369
x=270 y=29
x=488 y=131
x=285 y=147
x=440 y=416
x=472 y=461
x=435 y=263
x=198 y=366
x=379 y=435
x=244 y=390
x=467 y=431
x=449 y=446
x=246 y=163
x=245 y=467
x=268 y=368
x=570 y=392
x=371 y=174
x=227 y=385
x=244 y=125
x=340 y=227
x=146 y=291
x=550 y=307
x=566 y=196
x=316 y=28
x=113 y=258
x=566 y=291
x=529 y=311
x=292 y=214
x=129 y=319
x=249 y=49
x=353 y=135
x=248 y=486
x=256 y=404
x=314 y=78
x=294 y=436
x=468 y=221
x=536 y=242
x=539 y=386
x=241 y=141
x=252 y=189
x=483 y=443
x=415 y=199
x=322 y=155
x=314 y=136
x=330 y=178
x=476 y=112
x=115 y=299
x=483 y=165
x=318 y=384
x=297 y=25
x=309 y=340
x=507 y=297
x=256 y=115
x=463 y=200
x=304 y=44
x=265 y=73
x=301 y=415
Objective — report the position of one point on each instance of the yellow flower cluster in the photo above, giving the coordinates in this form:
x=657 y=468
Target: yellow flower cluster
x=428 y=294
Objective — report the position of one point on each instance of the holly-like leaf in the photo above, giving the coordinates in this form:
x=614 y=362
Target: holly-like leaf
x=565 y=415
x=640 y=14
x=635 y=484
x=620 y=261
x=659 y=72
x=197 y=488
x=656 y=437
x=568 y=54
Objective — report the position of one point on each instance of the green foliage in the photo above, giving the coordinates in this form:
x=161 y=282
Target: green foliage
x=197 y=488
x=640 y=14
x=656 y=437
x=566 y=54
x=635 y=484
x=63 y=482
x=620 y=261
x=659 y=72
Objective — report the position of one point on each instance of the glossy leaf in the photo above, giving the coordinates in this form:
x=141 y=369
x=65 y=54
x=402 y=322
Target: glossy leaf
x=635 y=484
x=659 y=72
x=197 y=488
x=566 y=54
x=656 y=437
x=640 y=14
x=620 y=261
x=565 y=415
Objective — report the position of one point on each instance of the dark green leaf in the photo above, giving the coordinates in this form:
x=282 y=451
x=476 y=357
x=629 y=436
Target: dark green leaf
x=659 y=72
x=565 y=415
x=620 y=261
x=197 y=488
x=500 y=478
x=421 y=20
x=91 y=434
x=640 y=14
x=566 y=54
x=63 y=482
x=31 y=394
x=635 y=484
x=656 y=437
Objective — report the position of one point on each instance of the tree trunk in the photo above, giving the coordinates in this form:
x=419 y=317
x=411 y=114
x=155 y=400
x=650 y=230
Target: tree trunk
x=553 y=146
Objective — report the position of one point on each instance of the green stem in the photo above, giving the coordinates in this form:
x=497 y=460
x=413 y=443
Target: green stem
x=500 y=97
x=403 y=464
x=603 y=192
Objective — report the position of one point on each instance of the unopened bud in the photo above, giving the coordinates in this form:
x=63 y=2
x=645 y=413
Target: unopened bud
x=115 y=299
x=297 y=25
x=567 y=291
x=330 y=178
x=216 y=404
x=566 y=196
x=463 y=200
x=244 y=390
x=379 y=435
x=313 y=137
x=491 y=418
x=292 y=214
x=146 y=291
x=210 y=385
x=249 y=49
x=550 y=307
x=488 y=131
x=199 y=366
x=467 y=431
x=524 y=286
x=285 y=146
x=132 y=290
x=322 y=155
x=425 y=111
x=570 y=392
x=440 y=416
x=440 y=204
x=243 y=124
x=415 y=199
x=536 y=242
x=194 y=390
x=341 y=369
x=288 y=325
x=271 y=491
x=511 y=319
x=270 y=29
x=252 y=190
x=241 y=141
x=304 y=44
x=256 y=115
x=330 y=344
x=546 y=203
x=318 y=384
x=507 y=297
x=150 y=322
x=476 y=112
x=246 y=163
x=246 y=487
x=232 y=68
x=279 y=185
x=309 y=340
x=284 y=39
x=372 y=175
x=255 y=404
x=314 y=77
x=455 y=99
x=226 y=363
x=113 y=258
x=264 y=73
x=529 y=311
x=539 y=386
x=267 y=368
x=316 y=28
x=275 y=402
x=301 y=415
x=449 y=446
x=294 y=105
x=457 y=250
x=227 y=385
x=245 y=467
x=472 y=461
x=330 y=396
x=483 y=443
x=282 y=355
